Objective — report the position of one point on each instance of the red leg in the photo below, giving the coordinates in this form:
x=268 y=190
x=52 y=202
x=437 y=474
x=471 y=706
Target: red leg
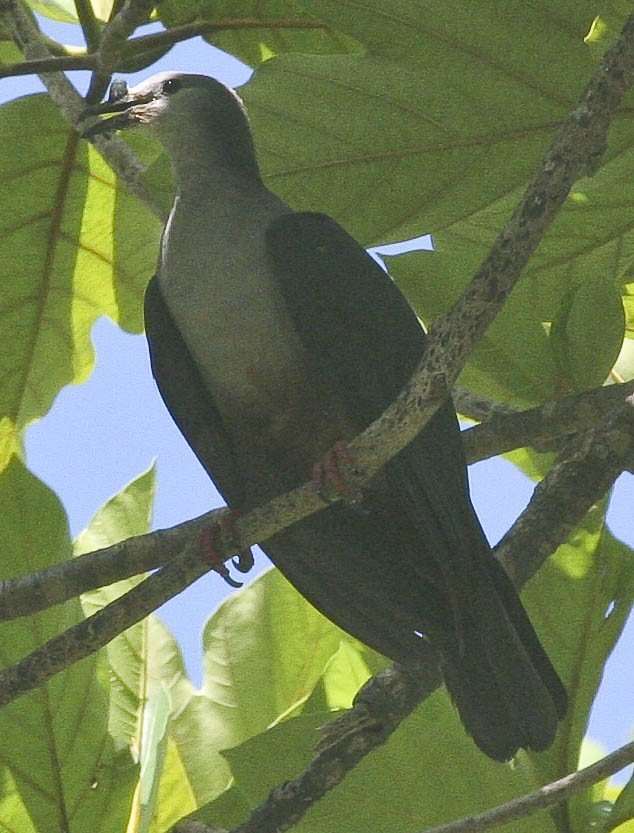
x=329 y=477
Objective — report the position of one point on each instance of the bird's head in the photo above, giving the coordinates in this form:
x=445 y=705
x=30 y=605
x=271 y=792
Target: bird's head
x=164 y=102
x=189 y=114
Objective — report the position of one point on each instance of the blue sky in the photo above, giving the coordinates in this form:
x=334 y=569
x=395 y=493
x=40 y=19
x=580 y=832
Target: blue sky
x=100 y=435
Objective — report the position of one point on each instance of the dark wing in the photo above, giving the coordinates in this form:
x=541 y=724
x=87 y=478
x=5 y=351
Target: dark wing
x=187 y=398
x=364 y=336
x=421 y=555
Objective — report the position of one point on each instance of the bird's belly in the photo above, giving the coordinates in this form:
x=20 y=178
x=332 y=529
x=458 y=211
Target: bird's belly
x=276 y=407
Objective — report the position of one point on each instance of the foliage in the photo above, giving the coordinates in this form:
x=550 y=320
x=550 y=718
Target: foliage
x=397 y=119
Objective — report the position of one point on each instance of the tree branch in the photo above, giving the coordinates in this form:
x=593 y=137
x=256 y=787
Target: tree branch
x=505 y=431
x=57 y=584
x=94 y=633
x=581 y=476
x=379 y=709
x=474 y=406
x=52 y=63
x=133 y=13
x=146 y=44
x=543 y=428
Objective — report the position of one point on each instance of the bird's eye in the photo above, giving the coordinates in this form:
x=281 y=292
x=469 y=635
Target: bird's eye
x=118 y=89
x=171 y=86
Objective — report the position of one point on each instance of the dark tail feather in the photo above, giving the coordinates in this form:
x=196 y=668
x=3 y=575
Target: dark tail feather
x=506 y=690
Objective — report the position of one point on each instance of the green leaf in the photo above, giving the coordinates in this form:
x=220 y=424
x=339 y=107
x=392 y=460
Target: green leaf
x=344 y=675
x=255 y=30
x=578 y=603
x=438 y=155
x=427 y=773
x=265 y=626
x=154 y=708
x=623 y=809
x=60 y=770
x=587 y=334
x=125 y=515
x=59 y=206
x=61 y=10
x=531 y=53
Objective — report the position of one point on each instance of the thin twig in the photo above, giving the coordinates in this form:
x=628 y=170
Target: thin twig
x=133 y=13
x=89 y=23
x=53 y=63
x=144 y=44
x=553 y=793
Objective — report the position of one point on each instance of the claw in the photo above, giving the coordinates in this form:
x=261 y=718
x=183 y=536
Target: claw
x=243 y=561
x=207 y=541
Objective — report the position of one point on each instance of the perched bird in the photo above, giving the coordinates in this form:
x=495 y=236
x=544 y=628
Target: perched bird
x=274 y=336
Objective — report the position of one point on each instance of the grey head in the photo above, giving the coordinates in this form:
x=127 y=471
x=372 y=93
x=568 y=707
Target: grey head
x=191 y=115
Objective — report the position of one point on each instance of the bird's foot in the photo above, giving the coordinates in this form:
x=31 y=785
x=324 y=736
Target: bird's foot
x=329 y=476
x=208 y=542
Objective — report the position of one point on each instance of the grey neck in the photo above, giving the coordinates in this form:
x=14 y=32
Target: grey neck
x=212 y=150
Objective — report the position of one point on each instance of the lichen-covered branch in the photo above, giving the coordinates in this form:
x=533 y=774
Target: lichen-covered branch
x=544 y=428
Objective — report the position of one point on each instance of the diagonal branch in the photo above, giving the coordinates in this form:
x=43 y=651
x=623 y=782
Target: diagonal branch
x=94 y=633
x=57 y=584
x=582 y=475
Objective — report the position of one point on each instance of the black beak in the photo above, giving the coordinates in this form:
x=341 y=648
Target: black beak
x=118 y=102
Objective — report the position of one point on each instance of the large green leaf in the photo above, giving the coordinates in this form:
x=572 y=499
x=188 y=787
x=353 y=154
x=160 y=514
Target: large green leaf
x=154 y=708
x=58 y=247
x=497 y=48
x=265 y=626
x=449 y=110
x=126 y=514
x=61 y=772
x=427 y=773
x=579 y=602
x=389 y=160
x=255 y=30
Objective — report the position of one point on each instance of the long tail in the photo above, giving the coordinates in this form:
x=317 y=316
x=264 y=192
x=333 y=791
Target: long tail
x=506 y=690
